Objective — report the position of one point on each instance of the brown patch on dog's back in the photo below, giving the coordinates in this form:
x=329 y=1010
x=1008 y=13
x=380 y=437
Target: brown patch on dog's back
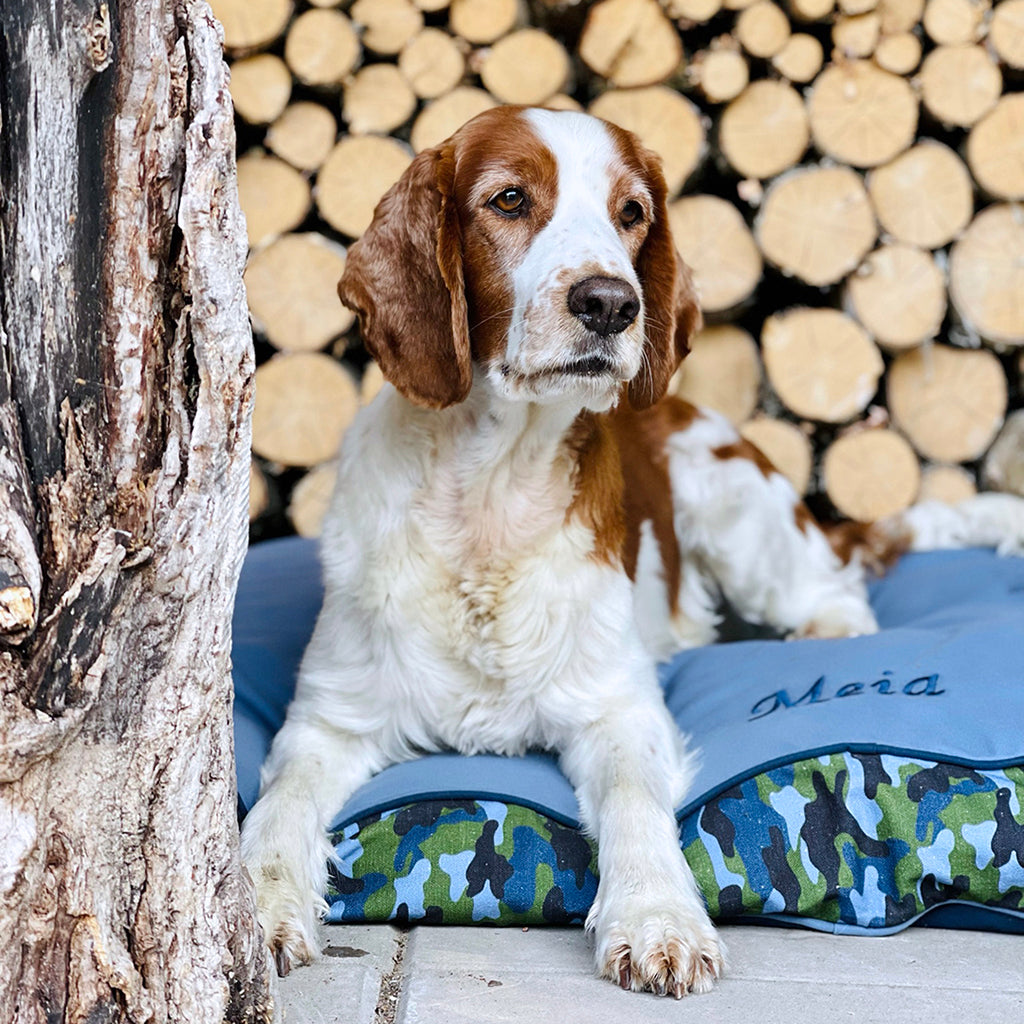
x=878 y=545
x=598 y=486
x=641 y=438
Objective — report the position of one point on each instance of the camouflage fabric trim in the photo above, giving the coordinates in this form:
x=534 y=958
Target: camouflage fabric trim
x=863 y=840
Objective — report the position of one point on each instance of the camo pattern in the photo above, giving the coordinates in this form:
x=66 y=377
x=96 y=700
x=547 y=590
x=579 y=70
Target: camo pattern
x=862 y=840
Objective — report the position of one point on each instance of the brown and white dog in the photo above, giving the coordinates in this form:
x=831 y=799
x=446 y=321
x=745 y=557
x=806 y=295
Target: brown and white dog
x=523 y=526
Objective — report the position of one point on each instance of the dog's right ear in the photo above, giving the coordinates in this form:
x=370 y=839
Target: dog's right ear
x=404 y=279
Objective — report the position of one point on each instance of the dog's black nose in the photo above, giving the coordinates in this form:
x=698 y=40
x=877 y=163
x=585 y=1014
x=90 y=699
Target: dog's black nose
x=607 y=305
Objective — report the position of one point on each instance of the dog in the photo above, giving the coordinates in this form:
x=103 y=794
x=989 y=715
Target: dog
x=524 y=525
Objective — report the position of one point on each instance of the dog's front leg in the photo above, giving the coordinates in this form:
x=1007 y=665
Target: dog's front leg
x=651 y=929
x=312 y=770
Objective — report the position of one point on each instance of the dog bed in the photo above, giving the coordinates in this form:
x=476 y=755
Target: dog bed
x=855 y=785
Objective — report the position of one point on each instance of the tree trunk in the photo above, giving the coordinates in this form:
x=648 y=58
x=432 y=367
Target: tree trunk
x=125 y=391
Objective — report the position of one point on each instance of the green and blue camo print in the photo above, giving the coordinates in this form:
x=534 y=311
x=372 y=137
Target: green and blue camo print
x=863 y=840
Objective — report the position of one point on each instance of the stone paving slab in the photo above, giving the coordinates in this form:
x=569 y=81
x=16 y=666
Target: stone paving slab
x=481 y=975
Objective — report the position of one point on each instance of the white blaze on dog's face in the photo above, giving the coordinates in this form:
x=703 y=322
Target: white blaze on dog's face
x=534 y=248
x=562 y=217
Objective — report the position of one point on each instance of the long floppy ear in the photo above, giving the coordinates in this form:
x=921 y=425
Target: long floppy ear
x=671 y=312
x=404 y=279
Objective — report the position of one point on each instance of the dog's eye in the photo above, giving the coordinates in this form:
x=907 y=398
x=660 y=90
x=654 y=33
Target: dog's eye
x=632 y=213
x=510 y=202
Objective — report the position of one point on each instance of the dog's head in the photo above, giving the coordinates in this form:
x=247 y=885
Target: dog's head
x=537 y=245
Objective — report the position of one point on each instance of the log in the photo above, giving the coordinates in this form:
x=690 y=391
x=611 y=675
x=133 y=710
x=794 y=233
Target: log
x=386 y=25
x=786 y=446
x=821 y=363
x=356 y=173
x=322 y=48
x=765 y=130
x=995 y=149
x=128 y=368
x=959 y=84
x=924 y=197
x=871 y=474
x=304 y=403
x=900 y=15
x=695 y=12
x=431 y=6
x=447 y=114
x=526 y=67
x=311 y=498
x=292 y=288
x=275 y=197
x=816 y=223
x=720 y=73
x=857 y=35
x=251 y=24
x=737 y=5
x=949 y=484
x=854 y=7
x=722 y=372
x=800 y=59
x=432 y=63
x=861 y=115
x=1003 y=468
x=952 y=22
x=762 y=29
x=810 y=10
x=986 y=275
x=630 y=42
x=303 y=135
x=378 y=99
x=483 y=21
x=560 y=101
x=899 y=53
x=899 y=295
x=664 y=121
x=717 y=245
x=260 y=87
x=1006 y=33
x=950 y=402
x=259 y=492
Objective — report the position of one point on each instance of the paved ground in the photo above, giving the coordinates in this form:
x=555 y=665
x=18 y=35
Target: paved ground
x=375 y=974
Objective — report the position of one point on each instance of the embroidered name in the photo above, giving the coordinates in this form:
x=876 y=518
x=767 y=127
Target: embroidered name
x=821 y=693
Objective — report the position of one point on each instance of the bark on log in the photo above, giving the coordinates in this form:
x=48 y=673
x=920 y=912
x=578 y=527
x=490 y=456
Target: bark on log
x=122 y=896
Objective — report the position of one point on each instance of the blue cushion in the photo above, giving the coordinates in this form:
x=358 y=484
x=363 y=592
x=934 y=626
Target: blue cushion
x=939 y=689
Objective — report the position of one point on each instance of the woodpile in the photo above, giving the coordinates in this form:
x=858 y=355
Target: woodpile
x=845 y=178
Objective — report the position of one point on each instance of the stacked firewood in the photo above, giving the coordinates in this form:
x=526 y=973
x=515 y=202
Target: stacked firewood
x=845 y=178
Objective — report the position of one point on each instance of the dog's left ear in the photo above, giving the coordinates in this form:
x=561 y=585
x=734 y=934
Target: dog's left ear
x=671 y=311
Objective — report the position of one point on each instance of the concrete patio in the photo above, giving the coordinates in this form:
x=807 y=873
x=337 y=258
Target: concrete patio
x=377 y=974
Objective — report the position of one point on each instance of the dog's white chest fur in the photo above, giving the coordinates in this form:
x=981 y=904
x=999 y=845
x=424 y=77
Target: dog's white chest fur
x=475 y=590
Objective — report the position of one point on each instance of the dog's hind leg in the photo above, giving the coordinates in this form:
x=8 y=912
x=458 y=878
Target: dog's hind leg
x=312 y=770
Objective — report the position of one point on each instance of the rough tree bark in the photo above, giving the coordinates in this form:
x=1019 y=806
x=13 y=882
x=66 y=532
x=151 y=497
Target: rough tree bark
x=125 y=391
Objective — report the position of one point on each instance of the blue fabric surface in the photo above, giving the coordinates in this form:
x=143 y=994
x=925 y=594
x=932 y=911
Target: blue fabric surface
x=944 y=679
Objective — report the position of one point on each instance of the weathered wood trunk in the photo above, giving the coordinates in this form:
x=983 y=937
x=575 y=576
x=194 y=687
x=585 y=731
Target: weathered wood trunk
x=125 y=389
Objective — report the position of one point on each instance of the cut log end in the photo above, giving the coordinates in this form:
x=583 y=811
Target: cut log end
x=821 y=363
x=722 y=372
x=816 y=223
x=630 y=42
x=526 y=67
x=322 y=48
x=764 y=131
x=862 y=115
x=959 y=84
x=800 y=59
x=787 y=447
x=715 y=242
x=871 y=474
x=949 y=402
x=924 y=197
x=995 y=149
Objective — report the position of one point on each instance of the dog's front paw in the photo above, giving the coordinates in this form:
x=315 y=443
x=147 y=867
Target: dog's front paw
x=288 y=918
x=660 y=948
